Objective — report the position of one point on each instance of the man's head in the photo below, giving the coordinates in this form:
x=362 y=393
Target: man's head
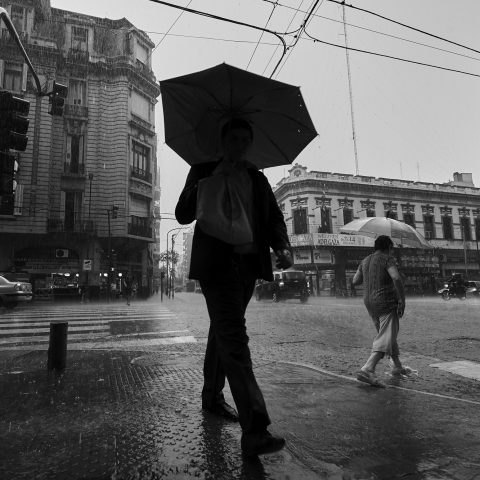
x=236 y=136
x=383 y=242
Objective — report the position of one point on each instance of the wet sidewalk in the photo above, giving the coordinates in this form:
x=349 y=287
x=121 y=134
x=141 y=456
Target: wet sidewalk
x=136 y=415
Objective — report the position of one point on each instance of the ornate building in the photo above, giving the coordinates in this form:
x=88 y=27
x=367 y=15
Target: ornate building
x=85 y=186
x=317 y=204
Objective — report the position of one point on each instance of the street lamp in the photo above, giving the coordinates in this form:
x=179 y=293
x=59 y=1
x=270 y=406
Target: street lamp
x=172 y=230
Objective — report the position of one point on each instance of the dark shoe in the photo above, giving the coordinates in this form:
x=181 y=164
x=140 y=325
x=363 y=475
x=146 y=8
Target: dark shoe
x=370 y=378
x=259 y=443
x=223 y=410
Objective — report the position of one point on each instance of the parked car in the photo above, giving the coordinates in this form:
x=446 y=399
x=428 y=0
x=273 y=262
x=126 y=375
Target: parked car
x=11 y=293
x=286 y=284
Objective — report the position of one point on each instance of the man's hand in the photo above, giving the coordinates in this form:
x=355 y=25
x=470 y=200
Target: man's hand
x=400 y=308
x=284 y=259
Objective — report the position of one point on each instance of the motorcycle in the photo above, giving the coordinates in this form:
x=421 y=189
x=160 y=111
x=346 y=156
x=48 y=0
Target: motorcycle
x=448 y=292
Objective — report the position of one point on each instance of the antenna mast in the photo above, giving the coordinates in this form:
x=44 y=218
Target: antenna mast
x=350 y=90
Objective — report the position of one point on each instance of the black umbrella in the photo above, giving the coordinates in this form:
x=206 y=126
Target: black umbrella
x=197 y=105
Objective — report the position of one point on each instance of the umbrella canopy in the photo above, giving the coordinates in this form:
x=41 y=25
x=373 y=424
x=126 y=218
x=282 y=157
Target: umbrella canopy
x=197 y=105
x=400 y=233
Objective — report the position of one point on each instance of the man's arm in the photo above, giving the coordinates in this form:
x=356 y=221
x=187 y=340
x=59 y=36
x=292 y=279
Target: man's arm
x=358 y=277
x=398 y=284
x=186 y=208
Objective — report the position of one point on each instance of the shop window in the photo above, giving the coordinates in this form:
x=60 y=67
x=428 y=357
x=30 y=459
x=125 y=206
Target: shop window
x=347 y=215
x=325 y=221
x=465 y=228
x=447 y=224
x=409 y=219
x=300 y=224
x=429 y=225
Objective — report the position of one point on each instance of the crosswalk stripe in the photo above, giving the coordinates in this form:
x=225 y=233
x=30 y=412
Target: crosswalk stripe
x=25 y=328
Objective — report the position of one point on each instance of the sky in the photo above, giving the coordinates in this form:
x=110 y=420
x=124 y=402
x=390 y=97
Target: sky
x=411 y=121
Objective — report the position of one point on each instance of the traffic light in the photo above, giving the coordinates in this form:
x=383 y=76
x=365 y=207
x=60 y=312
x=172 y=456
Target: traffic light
x=114 y=211
x=13 y=122
x=57 y=99
x=7 y=173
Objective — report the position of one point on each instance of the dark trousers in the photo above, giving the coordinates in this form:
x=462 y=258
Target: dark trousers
x=227 y=353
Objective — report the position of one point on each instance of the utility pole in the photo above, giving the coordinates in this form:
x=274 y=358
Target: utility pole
x=109 y=257
x=464 y=252
x=350 y=90
x=172 y=288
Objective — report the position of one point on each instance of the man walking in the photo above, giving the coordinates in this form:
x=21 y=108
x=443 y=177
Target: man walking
x=385 y=301
x=227 y=275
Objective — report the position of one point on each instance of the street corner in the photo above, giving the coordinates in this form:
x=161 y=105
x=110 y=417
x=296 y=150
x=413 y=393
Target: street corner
x=337 y=425
x=118 y=414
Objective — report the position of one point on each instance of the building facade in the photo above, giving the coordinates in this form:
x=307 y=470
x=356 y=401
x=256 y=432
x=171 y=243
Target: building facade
x=317 y=204
x=85 y=186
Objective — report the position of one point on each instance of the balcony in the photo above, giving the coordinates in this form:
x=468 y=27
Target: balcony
x=139 y=227
x=79 y=57
x=141 y=174
x=76 y=111
x=75 y=169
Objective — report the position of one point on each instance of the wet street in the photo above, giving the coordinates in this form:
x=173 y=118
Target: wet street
x=128 y=403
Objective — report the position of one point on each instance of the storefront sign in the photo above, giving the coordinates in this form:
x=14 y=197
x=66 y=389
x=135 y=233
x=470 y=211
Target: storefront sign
x=87 y=264
x=302 y=257
x=331 y=240
x=322 y=257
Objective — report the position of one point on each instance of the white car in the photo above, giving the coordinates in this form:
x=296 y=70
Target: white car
x=11 y=293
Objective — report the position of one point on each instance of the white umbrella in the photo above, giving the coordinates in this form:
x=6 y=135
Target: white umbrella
x=400 y=233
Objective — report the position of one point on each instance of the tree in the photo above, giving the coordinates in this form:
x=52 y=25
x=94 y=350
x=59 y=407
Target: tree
x=170 y=257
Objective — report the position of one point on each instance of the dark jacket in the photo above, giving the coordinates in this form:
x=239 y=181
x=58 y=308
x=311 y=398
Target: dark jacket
x=210 y=255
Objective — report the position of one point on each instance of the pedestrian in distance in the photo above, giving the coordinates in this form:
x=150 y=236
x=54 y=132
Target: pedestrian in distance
x=127 y=287
x=227 y=275
x=384 y=298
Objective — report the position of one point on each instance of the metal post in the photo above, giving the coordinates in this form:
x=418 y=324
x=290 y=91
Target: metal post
x=90 y=177
x=109 y=256
x=166 y=288
x=57 y=349
x=173 y=267
x=464 y=252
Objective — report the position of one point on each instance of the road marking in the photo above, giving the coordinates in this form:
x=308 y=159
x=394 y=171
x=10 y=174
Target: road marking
x=465 y=368
x=353 y=379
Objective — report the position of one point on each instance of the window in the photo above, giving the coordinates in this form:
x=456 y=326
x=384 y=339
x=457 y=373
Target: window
x=74 y=157
x=141 y=53
x=477 y=229
x=12 y=77
x=300 y=221
x=465 y=228
x=73 y=202
x=370 y=212
x=409 y=219
x=325 y=221
x=77 y=92
x=447 y=224
x=429 y=225
x=140 y=159
x=17 y=16
x=347 y=215
x=141 y=106
x=391 y=214
x=79 y=38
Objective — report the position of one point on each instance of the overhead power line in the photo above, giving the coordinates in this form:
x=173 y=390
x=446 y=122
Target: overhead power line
x=260 y=38
x=315 y=39
x=405 y=25
x=235 y=22
x=298 y=10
